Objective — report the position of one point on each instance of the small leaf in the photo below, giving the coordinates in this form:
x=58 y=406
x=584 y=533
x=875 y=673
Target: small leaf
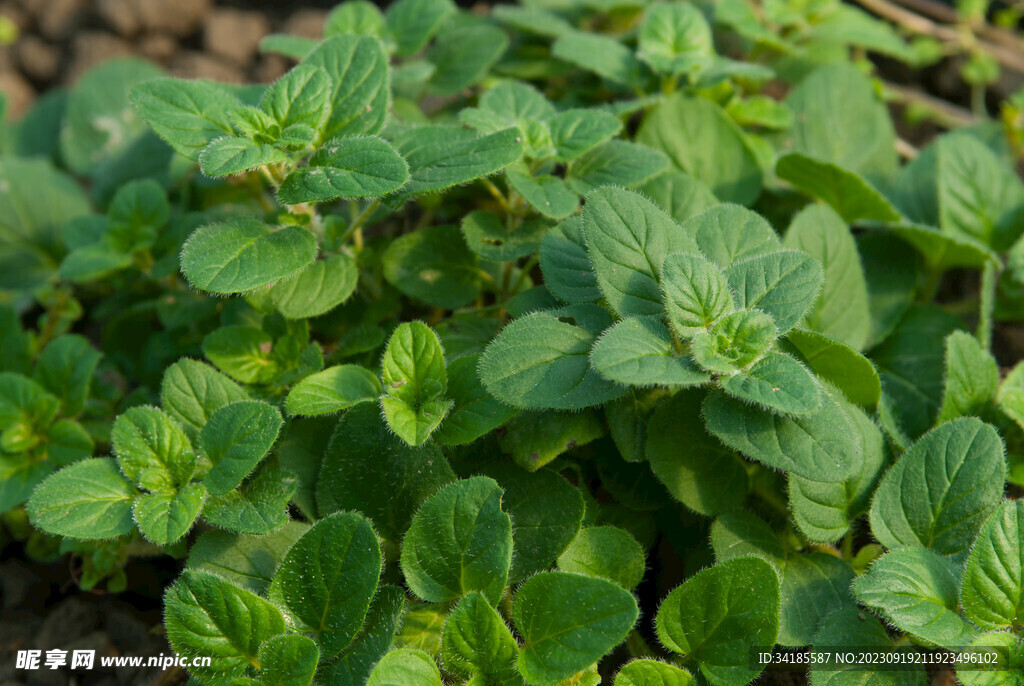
x=405 y=667
x=647 y=672
x=192 y=391
x=776 y=382
x=350 y=167
x=440 y=157
x=783 y=284
x=459 y=541
x=317 y=290
x=602 y=55
x=717 y=615
x=152 y=450
x=208 y=617
x=840 y=365
x=605 y=552
x=241 y=352
x=258 y=506
x=491 y=239
x=476 y=641
x=88 y=500
x=547 y=194
x=165 y=517
x=288 y=660
x=298 y=97
x=243 y=559
x=243 y=254
x=575 y=131
x=329 y=577
x=568 y=622
x=353 y=667
x=674 y=38
x=992 y=585
x=188 y=114
x=940 y=492
x=235 y=439
x=917 y=590
x=333 y=389
x=638 y=351
x=727 y=233
x=415 y=382
x=737 y=340
x=972 y=378
x=412 y=23
x=233 y=155
x=696 y=293
x=66 y=368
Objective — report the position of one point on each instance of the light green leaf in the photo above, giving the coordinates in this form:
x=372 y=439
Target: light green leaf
x=415 y=381
x=235 y=439
x=258 y=506
x=493 y=240
x=360 y=84
x=547 y=194
x=846 y=192
x=599 y=54
x=840 y=365
x=459 y=541
x=233 y=155
x=317 y=290
x=679 y=194
x=152 y=450
x=1007 y=669
x=842 y=310
x=628 y=238
x=728 y=233
x=852 y=626
x=648 y=672
x=412 y=23
x=208 y=617
x=1011 y=395
x=333 y=389
x=243 y=254
x=568 y=622
x=576 y=131
x=19 y=476
x=405 y=667
x=815 y=446
x=738 y=340
x=88 y=500
x=474 y=412
x=638 y=351
x=615 y=163
x=917 y=590
x=165 y=517
x=941 y=491
x=463 y=55
x=541 y=361
x=444 y=156
x=298 y=97
x=605 y=552
x=359 y=17
x=241 y=352
x=703 y=141
x=434 y=265
x=477 y=641
x=288 y=660
x=192 y=391
x=675 y=38
x=188 y=114
x=778 y=383
x=366 y=459
x=329 y=577
x=783 y=284
x=972 y=378
x=565 y=264
x=993 y=586
x=243 y=559
x=717 y=615
x=696 y=293
x=350 y=167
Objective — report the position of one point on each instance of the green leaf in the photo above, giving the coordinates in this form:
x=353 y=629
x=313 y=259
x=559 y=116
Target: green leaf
x=22 y=400
x=15 y=344
x=839 y=119
x=415 y=382
x=152 y=450
x=354 y=665
x=405 y=667
x=298 y=97
x=19 y=476
x=358 y=17
x=493 y=240
x=783 y=284
x=1006 y=669
x=241 y=352
x=738 y=340
x=568 y=622
x=65 y=368
x=547 y=194
x=534 y=439
x=67 y=442
x=165 y=517
x=258 y=506
x=852 y=626
x=615 y=163
x=847 y=193
x=940 y=492
x=576 y=131
x=93 y=262
x=368 y=469
x=696 y=469
x=648 y=672
x=243 y=559
x=704 y=142
x=972 y=378
x=599 y=54
x=459 y=541
x=412 y=23
x=729 y=233
x=541 y=361
x=476 y=641
x=717 y=615
x=188 y=114
x=440 y=157
x=842 y=310
x=332 y=390
x=244 y=254
x=235 y=439
x=992 y=584
x=696 y=293
x=675 y=38
x=638 y=351
x=288 y=660
x=316 y=290
x=628 y=238
x=192 y=391
x=679 y=194
x=565 y=264
x=474 y=412
x=329 y=577
x=360 y=84
x=463 y=55
x=814 y=585
x=351 y=167
x=434 y=265
x=208 y=617
x=917 y=590
x=233 y=155
x=778 y=383
x=88 y=500
x=815 y=446
x=605 y=552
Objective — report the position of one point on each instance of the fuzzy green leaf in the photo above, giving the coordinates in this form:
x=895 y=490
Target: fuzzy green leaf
x=696 y=293
x=333 y=389
x=360 y=84
x=412 y=23
x=728 y=233
x=258 y=506
x=351 y=167
x=298 y=97
x=993 y=583
x=846 y=192
x=192 y=391
x=405 y=667
x=738 y=340
x=444 y=156
x=972 y=378
x=234 y=155
x=783 y=284
x=243 y=559
x=675 y=38
x=615 y=163
x=599 y=54
x=474 y=412
x=433 y=265
x=547 y=194
x=776 y=382
x=574 y=132
x=187 y=114
x=235 y=439
x=165 y=517
x=605 y=552
x=648 y=672
x=152 y=450
x=477 y=641
x=566 y=266
x=463 y=55
x=65 y=368
x=354 y=665
x=415 y=382
x=840 y=365
x=288 y=660
x=317 y=290
x=638 y=351
x=241 y=352
x=88 y=500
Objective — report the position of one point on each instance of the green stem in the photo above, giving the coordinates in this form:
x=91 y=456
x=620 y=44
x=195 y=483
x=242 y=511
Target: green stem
x=847 y=549
x=498 y=195
x=987 y=303
x=527 y=268
x=358 y=222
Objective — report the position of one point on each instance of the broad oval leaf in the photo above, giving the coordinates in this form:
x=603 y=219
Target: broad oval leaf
x=444 y=156
x=993 y=583
x=777 y=383
x=360 y=92
x=605 y=552
x=727 y=233
x=405 y=667
x=235 y=439
x=648 y=672
x=288 y=660
x=187 y=114
x=433 y=265
x=783 y=284
x=696 y=293
x=152 y=450
x=258 y=506
x=568 y=622
x=298 y=97
x=191 y=391
x=846 y=192
x=566 y=265
x=477 y=641
x=840 y=365
x=415 y=382
x=351 y=167
x=165 y=517
x=333 y=389
x=243 y=254
x=474 y=411
x=317 y=290
x=88 y=500
x=638 y=351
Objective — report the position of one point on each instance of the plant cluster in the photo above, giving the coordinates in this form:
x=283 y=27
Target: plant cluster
x=586 y=341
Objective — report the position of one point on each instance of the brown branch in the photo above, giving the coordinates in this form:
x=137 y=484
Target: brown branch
x=946 y=114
